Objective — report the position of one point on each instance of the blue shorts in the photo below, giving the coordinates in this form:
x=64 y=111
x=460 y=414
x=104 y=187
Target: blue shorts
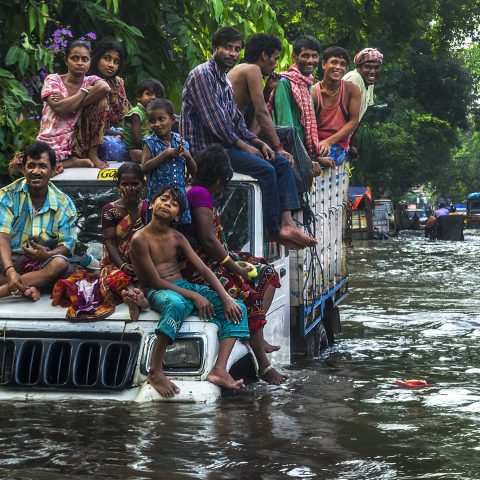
x=174 y=308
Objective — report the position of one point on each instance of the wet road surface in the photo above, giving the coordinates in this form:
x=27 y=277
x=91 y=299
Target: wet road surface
x=413 y=312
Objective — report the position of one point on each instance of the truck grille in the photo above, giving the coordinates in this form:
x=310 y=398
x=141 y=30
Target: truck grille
x=105 y=363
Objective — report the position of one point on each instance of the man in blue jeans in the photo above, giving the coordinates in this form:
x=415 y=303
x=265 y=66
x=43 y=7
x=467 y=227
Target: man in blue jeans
x=210 y=115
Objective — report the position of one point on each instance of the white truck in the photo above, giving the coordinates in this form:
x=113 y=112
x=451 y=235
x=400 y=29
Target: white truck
x=44 y=356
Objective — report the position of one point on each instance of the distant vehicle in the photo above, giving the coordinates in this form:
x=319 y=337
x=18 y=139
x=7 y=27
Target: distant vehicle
x=461 y=209
x=361 y=202
x=414 y=218
x=386 y=203
x=473 y=210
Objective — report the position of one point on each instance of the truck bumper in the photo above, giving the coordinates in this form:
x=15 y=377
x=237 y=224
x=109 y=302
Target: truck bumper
x=191 y=391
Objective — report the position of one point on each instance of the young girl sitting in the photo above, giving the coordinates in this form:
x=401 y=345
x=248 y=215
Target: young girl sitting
x=136 y=125
x=165 y=153
x=120 y=219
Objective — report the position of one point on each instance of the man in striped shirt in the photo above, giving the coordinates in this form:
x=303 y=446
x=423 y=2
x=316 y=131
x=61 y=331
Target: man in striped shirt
x=37 y=227
x=210 y=115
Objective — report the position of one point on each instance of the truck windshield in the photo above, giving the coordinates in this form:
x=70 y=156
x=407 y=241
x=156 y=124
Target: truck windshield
x=234 y=204
x=474 y=205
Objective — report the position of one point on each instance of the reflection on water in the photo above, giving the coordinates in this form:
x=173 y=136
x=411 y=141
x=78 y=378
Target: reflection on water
x=413 y=312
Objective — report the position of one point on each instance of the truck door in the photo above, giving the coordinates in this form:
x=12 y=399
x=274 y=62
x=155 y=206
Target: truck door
x=277 y=330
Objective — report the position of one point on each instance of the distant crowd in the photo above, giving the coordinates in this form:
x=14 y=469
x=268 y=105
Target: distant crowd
x=227 y=124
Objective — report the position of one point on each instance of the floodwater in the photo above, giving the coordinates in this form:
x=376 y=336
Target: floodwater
x=413 y=312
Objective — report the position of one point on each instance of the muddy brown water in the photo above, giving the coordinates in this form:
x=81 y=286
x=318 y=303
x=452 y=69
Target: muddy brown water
x=413 y=312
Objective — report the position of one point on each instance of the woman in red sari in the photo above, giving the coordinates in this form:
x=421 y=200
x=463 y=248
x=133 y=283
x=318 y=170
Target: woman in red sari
x=206 y=237
x=97 y=120
x=120 y=219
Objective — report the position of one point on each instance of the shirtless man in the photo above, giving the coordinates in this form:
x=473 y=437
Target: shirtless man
x=153 y=252
x=261 y=56
x=34 y=213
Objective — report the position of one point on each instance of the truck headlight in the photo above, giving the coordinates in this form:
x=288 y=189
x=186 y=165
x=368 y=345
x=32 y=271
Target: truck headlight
x=185 y=355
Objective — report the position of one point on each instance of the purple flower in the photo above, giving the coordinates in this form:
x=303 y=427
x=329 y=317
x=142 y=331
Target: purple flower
x=91 y=36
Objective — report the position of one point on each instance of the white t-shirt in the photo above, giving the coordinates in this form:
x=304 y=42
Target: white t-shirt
x=365 y=92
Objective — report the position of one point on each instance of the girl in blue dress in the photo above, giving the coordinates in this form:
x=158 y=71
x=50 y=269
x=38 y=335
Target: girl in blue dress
x=165 y=154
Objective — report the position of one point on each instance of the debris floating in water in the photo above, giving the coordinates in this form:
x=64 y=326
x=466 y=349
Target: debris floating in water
x=412 y=384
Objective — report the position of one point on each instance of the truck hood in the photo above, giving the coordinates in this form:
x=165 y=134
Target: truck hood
x=22 y=308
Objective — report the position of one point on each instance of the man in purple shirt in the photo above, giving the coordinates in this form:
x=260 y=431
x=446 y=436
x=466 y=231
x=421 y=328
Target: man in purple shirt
x=210 y=115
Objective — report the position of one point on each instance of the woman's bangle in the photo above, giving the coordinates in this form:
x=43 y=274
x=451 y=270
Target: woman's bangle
x=85 y=90
x=225 y=260
x=123 y=265
x=6 y=269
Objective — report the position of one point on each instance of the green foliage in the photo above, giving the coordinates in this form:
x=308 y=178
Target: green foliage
x=428 y=85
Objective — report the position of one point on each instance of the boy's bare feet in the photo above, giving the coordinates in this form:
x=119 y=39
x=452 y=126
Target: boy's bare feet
x=223 y=379
x=272 y=376
x=270 y=348
x=142 y=301
x=33 y=293
x=130 y=299
x=162 y=384
x=135 y=299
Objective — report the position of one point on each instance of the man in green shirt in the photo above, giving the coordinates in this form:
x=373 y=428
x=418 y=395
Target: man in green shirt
x=292 y=103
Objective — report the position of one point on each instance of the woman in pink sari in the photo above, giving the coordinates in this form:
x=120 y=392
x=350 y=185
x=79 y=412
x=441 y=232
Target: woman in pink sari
x=63 y=97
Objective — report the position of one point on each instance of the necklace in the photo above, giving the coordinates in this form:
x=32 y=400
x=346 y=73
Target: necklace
x=322 y=87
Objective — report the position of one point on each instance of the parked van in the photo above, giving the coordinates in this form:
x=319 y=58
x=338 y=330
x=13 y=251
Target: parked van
x=44 y=356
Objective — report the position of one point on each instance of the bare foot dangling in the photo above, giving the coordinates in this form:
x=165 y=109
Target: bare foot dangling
x=292 y=233
x=272 y=376
x=223 y=379
x=270 y=348
x=162 y=384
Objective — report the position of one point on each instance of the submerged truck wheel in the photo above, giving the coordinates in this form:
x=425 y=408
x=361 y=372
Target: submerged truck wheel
x=331 y=322
x=316 y=341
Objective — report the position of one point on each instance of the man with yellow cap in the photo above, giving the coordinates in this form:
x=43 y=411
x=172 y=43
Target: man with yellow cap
x=368 y=63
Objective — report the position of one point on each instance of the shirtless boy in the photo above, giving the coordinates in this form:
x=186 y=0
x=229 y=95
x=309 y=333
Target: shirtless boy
x=153 y=252
x=261 y=56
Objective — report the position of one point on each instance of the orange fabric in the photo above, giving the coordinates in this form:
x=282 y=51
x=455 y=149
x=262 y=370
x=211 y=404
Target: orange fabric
x=65 y=294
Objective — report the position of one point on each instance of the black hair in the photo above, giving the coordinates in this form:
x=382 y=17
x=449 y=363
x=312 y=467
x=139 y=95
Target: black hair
x=225 y=35
x=153 y=85
x=257 y=44
x=130 y=167
x=77 y=43
x=35 y=151
x=213 y=165
x=306 y=41
x=162 y=103
x=177 y=196
x=104 y=45
x=338 y=52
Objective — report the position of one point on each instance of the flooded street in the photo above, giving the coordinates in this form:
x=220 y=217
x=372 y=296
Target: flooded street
x=413 y=312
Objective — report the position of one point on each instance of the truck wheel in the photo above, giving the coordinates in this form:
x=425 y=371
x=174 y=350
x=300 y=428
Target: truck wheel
x=331 y=322
x=316 y=341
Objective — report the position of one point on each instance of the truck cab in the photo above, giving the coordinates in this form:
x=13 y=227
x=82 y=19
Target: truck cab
x=45 y=356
